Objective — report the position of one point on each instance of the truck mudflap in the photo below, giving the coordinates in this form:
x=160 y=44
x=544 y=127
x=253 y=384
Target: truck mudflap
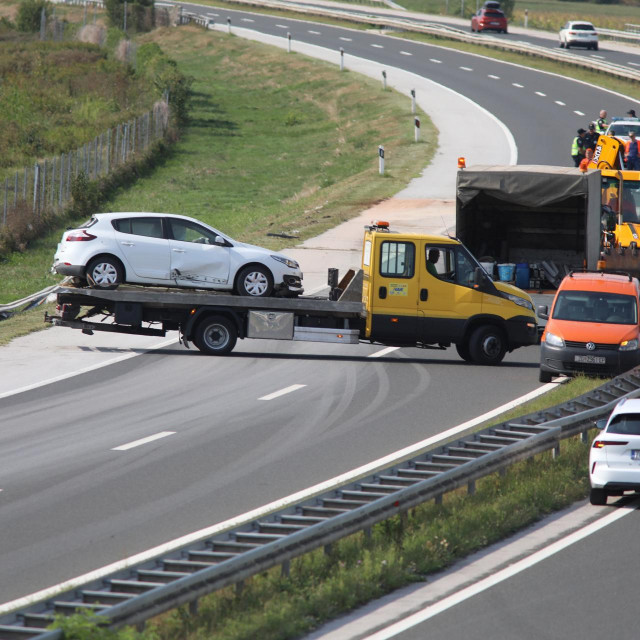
x=522 y=331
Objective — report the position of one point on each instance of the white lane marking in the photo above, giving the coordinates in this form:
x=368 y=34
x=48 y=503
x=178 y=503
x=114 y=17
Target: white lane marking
x=578 y=113
x=138 y=443
x=93 y=367
x=539 y=93
x=247 y=20
x=405 y=53
x=562 y=104
x=282 y=26
x=593 y=55
x=466 y=68
x=277 y=505
x=315 y=33
x=493 y=77
x=500 y=576
x=282 y=392
x=377 y=46
x=435 y=60
x=635 y=64
x=520 y=86
x=213 y=14
x=346 y=39
x=382 y=352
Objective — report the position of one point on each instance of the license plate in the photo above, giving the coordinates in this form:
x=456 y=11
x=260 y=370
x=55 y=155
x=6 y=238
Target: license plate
x=590 y=359
x=635 y=454
x=495 y=24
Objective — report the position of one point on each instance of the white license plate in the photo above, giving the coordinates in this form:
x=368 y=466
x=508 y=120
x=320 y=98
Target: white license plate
x=495 y=24
x=590 y=359
x=635 y=454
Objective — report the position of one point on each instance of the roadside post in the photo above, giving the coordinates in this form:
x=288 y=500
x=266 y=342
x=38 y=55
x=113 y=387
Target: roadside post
x=381 y=160
x=288 y=42
x=384 y=80
x=413 y=100
x=416 y=128
x=341 y=59
x=228 y=25
x=526 y=18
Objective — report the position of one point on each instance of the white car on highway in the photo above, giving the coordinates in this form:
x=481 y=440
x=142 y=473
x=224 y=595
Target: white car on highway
x=620 y=127
x=171 y=250
x=614 y=461
x=578 y=33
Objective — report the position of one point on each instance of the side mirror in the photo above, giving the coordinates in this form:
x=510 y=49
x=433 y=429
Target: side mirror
x=601 y=424
x=479 y=277
x=543 y=311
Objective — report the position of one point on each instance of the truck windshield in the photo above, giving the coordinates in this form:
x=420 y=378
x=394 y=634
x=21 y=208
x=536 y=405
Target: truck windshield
x=630 y=197
x=595 y=306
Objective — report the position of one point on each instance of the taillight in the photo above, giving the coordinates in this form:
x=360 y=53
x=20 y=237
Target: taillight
x=599 y=444
x=80 y=236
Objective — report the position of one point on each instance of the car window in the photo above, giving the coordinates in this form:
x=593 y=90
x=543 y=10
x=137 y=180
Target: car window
x=583 y=27
x=187 y=231
x=596 y=306
x=397 y=259
x=450 y=264
x=149 y=227
x=626 y=423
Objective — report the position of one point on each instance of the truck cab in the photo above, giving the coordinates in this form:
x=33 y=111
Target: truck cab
x=431 y=291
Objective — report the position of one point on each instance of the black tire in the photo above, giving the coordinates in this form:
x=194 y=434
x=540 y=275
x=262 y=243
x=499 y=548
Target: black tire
x=255 y=281
x=463 y=351
x=595 y=47
x=561 y=44
x=545 y=376
x=567 y=45
x=105 y=272
x=215 y=336
x=505 y=31
x=598 y=497
x=487 y=345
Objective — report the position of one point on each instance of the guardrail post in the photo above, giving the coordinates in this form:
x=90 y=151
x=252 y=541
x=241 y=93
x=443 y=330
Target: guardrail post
x=584 y=437
x=193 y=607
x=286 y=569
x=555 y=452
x=503 y=472
x=328 y=548
x=239 y=587
x=438 y=499
x=471 y=488
x=367 y=533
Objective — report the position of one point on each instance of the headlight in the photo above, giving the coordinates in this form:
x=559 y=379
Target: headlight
x=629 y=345
x=292 y=264
x=553 y=340
x=520 y=301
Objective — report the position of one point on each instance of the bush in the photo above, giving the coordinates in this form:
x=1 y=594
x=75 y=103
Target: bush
x=139 y=14
x=30 y=15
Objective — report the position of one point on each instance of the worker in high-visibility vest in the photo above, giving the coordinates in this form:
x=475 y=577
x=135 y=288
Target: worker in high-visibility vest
x=578 y=148
x=632 y=152
x=601 y=123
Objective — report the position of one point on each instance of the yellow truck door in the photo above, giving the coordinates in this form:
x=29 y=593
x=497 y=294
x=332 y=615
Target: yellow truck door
x=392 y=289
x=447 y=298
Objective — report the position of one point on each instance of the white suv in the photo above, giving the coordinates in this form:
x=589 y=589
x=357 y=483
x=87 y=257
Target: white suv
x=614 y=461
x=171 y=250
x=620 y=127
x=578 y=33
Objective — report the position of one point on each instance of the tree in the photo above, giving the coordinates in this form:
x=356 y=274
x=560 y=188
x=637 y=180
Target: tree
x=139 y=14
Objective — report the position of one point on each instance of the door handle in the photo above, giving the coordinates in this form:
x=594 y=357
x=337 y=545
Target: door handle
x=382 y=292
x=424 y=294
x=179 y=250
x=128 y=244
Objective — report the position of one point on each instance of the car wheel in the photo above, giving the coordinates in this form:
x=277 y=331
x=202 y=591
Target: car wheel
x=255 y=280
x=105 y=272
x=487 y=345
x=505 y=31
x=544 y=376
x=215 y=335
x=463 y=351
x=595 y=47
x=567 y=45
x=598 y=497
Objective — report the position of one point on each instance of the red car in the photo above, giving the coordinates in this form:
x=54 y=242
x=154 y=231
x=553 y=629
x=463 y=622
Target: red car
x=489 y=19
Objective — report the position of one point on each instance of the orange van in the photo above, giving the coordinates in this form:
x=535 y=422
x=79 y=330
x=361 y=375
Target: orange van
x=592 y=327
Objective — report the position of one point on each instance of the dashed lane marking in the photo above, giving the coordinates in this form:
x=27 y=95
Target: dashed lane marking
x=382 y=352
x=282 y=392
x=138 y=443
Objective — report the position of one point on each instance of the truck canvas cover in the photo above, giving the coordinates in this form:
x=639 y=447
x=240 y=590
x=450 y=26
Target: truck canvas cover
x=530 y=213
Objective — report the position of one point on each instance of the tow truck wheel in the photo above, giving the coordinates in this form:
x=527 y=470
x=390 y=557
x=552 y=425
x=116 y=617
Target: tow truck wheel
x=255 y=281
x=598 y=497
x=463 y=351
x=215 y=335
x=105 y=272
x=487 y=345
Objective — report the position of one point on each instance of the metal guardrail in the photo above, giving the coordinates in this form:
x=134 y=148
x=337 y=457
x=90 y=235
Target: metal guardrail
x=184 y=575
x=7 y=310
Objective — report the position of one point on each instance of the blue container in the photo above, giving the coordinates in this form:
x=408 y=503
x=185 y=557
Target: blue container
x=522 y=275
x=506 y=271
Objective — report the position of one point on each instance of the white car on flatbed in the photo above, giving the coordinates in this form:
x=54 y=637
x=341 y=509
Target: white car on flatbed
x=172 y=251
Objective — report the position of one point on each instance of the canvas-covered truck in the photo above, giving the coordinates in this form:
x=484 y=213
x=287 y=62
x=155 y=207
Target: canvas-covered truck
x=543 y=216
x=411 y=290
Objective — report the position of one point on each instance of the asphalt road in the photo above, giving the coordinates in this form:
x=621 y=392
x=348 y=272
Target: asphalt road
x=71 y=503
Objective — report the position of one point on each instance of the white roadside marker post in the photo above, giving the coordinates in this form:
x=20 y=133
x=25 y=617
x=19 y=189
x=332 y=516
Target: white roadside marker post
x=228 y=25
x=413 y=100
x=288 y=42
x=416 y=124
x=341 y=59
x=384 y=80
x=381 y=159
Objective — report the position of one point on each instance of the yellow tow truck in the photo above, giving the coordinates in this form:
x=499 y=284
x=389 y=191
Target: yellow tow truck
x=412 y=290
x=620 y=207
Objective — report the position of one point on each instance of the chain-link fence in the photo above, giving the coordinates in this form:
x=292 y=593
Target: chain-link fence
x=46 y=186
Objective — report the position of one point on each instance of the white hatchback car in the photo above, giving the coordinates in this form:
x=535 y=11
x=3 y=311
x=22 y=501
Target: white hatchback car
x=620 y=127
x=578 y=33
x=171 y=250
x=614 y=461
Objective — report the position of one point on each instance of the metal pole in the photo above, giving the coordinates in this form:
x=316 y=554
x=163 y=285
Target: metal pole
x=4 y=215
x=61 y=185
x=125 y=18
x=36 y=174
